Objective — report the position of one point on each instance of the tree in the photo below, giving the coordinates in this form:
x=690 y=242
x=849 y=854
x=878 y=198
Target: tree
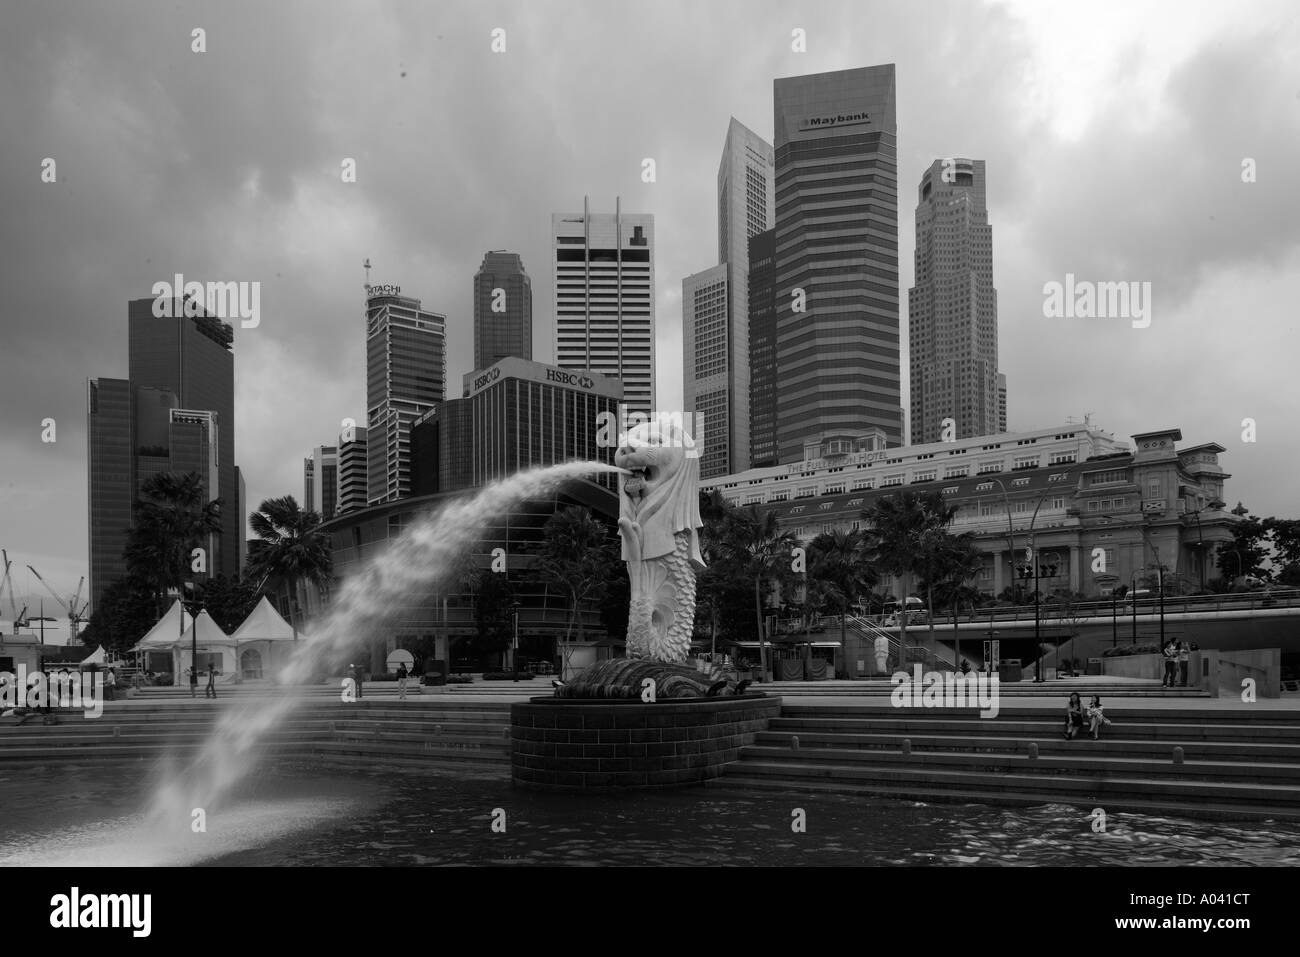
x=761 y=551
x=493 y=615
x=229 y=600
x=901 y=538
x=1246 y=552
x=126 y=611
x=580 y=557
x=290 y=549
x=172 y=517
x=838 y=560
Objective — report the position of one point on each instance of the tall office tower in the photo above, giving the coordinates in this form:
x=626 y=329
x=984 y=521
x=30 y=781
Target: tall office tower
x=242 y=495
x=604 y=298
x=763 y=449
x=836 y=259
x=406 y=375
x=320 y=481
x=715 y=306
x=503 y=309
x=175 y=412
x=953 y=307
x=110 y=458
x=1002 y=402
x=353 y=466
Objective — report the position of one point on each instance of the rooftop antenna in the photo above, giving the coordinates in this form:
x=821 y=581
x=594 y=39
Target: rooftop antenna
x=367 y=265
x=1087 y=420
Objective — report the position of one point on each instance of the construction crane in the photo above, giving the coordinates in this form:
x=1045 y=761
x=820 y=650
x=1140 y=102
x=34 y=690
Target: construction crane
x=74 y=609
x=8 y=582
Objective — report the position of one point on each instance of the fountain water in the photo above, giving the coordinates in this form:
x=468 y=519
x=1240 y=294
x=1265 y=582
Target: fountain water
x=426 y=552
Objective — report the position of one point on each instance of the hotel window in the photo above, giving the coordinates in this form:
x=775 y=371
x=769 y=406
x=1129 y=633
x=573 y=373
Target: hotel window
x=983 y=486
x=925 y=475
x=1020 y=481
x=855 y=502
x=1058 y=502
x=808 y=492
x=989 y=508
x=1153 y=488
x=834 y=490
x=863 y=485
x=889 y=481
x=827 y=529
x=1025 y=462
x=797 y=509
x=1092 y=505
x=1062 y=458
x=987 y=467
x=1106 y=478
x=825 y=505
x=959 y=471
x=779 y=497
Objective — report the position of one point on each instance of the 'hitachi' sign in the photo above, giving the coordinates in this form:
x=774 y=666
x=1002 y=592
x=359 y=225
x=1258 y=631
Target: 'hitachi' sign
x=833 y=119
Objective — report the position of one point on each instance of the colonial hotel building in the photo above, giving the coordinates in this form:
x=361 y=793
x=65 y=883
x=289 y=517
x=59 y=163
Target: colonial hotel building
x=1074 y=487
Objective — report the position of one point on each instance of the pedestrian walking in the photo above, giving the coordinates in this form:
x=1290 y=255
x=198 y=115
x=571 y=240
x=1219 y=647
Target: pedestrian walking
x=401 y=681
x=356 y=677
x=194 y=680
x=211 y=691
x=1184 y=657
x=110 y=685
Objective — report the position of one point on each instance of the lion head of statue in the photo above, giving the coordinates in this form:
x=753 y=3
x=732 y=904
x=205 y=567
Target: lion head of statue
x=660 y=490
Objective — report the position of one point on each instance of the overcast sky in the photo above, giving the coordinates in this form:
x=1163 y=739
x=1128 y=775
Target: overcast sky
x=1114 y=135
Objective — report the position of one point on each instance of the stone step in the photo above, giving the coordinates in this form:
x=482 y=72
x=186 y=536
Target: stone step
x=1134 y=730
x=1127 y=713
x=940 y=795
x=1054 y=744
x=447 y=750
x=1092 y=789
x=1092 y=758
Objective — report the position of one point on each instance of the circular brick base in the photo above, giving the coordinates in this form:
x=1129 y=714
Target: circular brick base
x=566 y=744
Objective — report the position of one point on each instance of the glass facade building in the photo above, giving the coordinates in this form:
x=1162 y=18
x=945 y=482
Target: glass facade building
x=763 y=448
x=503 y=310
x=836 y=284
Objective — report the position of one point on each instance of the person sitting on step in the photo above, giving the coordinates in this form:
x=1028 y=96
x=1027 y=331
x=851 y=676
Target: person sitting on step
x=1095 y=717
x=1073 y=715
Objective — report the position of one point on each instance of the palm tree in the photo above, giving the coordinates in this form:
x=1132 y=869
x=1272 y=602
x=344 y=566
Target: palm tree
x=953 y=562
x=761 y=552
x=840 y=560
x=171 y=518
x=716 y=580
x=900 y=537
x=289 y=549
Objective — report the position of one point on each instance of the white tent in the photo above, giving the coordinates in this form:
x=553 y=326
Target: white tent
x=264 y=623
x=167 y=632
x=257 y=656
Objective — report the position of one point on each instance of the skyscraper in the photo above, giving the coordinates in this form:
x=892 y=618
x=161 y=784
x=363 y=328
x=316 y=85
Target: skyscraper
x=406 y=374
x=604 y=298
x=836 y=259
x=715 y=306
x=174 y=413
x=953 y=308
x=320 y=481
x=763 y=448
x=1002 y=402
x=503 y=309
x=353 y=466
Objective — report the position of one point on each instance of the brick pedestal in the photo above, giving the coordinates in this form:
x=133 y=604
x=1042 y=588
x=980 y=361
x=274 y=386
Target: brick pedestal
x=566 y=744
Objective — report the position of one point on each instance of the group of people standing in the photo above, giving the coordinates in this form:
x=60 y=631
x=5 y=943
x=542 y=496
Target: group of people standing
x=1177 y=654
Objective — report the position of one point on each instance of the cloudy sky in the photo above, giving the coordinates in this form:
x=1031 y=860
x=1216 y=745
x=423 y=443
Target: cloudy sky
x=1114 y=133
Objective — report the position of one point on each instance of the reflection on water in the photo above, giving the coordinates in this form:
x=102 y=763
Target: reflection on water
x=308 y=816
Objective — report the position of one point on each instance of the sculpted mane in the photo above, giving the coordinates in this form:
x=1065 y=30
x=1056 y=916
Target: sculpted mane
x=670 y=502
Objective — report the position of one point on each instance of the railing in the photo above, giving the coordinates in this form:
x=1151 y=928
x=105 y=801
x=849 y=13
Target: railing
x=1101 y=608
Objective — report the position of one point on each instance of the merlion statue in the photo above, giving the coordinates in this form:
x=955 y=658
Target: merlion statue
x=659 y=515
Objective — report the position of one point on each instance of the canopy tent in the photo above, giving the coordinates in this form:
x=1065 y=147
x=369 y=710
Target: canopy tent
x=167 y=632
x=96 y=657
x=264 y=623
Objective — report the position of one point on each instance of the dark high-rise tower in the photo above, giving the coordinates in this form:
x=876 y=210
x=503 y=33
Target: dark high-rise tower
x=953 y=308
x=174 y=413
x=763 y=449
x=503 y=310
x=836 y=259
